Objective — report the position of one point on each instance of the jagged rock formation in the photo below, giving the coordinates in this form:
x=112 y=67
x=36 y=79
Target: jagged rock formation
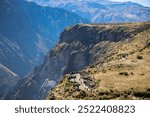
x=8 y=79
x=79 y=46
x=28 y=31
x=123 y=73
x=98 y=11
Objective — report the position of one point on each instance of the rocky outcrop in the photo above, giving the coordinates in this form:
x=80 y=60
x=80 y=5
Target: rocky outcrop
x=79 y=46
x=122 y=72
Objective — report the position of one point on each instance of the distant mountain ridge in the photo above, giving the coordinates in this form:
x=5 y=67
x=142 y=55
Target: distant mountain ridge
x=28 y=31
x=98 y=11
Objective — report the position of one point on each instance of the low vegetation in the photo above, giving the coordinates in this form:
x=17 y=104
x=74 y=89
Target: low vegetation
x=123 y=75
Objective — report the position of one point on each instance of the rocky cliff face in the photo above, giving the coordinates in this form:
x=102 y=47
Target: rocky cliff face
x=8 y=79
x=28 y=31
x=79 y=46
x=123 y=67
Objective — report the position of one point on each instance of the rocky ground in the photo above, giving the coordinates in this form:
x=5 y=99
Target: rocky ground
x=124 y=74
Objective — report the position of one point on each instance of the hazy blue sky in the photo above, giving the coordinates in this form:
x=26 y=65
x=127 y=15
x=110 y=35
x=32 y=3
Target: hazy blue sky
x=143 y=2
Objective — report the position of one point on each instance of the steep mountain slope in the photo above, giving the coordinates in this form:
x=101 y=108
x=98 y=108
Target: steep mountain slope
x=123 y=74
x=8 y=79
x=102 y=10
x=79 y=46
x=12 y=55
x=29 y=31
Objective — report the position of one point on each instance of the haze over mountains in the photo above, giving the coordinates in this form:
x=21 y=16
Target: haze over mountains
x=28 y=31
x=98 y=11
